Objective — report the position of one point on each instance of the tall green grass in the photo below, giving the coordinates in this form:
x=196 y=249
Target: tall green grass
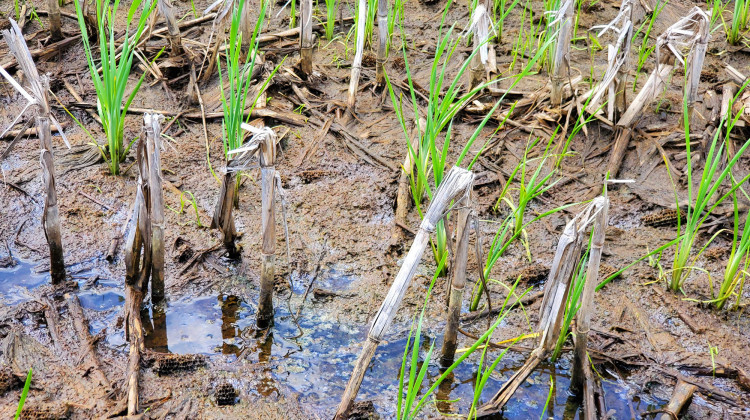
x=703 y=201
x=740 y=17
x=237 y=73
x=734 y=276
x=110 y=86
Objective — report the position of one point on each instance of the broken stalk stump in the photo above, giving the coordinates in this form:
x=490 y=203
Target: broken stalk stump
x=458 y=282
x=173 y=29
x=51 y=213
x=357 y=62
x=306 y=38
x=455 y=187
x=152 y=129
x=268 y=227
x=55 y=20
x=37 y=98
x=382 y=42
x=558 y=70
x=681 y=396
x=581 y=369
x=556 y=290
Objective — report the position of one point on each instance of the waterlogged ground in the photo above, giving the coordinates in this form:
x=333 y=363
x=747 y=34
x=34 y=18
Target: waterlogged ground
x=311 y=358
x=340 y=216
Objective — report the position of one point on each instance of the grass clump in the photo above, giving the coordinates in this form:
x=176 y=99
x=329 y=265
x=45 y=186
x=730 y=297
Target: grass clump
x=237 y=74
x=703 y=201
x=110 y=86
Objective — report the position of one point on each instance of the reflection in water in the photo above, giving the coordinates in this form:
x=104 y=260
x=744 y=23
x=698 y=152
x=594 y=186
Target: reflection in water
x=230 y=306
x=317 y=364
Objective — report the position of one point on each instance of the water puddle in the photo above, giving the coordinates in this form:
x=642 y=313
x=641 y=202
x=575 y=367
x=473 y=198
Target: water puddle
x=17 y=282
x=314 y=355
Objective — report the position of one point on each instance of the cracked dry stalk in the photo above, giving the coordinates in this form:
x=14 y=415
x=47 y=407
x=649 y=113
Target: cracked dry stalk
x=152 y=128
x=268 y=228
x=583 y=317
x=455 y=187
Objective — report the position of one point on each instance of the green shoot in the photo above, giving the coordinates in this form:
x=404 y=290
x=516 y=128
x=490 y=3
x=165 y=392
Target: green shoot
x=703 y=202
x=237 y=74
x=739 y=21
x=24 y=394
x=732 y=275
x=192 y=202
x=528 y=189
x=292 y=13
x=549 y=397
x=330 y=18
x=645 y=51
x=110 y=86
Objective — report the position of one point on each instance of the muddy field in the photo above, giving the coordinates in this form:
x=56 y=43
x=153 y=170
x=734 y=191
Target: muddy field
x=340 y=215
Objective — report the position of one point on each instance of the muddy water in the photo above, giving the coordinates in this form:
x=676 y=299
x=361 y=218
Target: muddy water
x=313 y=356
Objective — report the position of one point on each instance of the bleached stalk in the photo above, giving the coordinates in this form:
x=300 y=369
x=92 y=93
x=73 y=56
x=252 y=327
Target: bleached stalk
x=152 y=128
x=306 y=37
x=455 y=186
x=481 y=25
x=382 y=41
x=695 y=62
x=357 y=63
x=556 y=290
x=583 y=317
x=559 y=62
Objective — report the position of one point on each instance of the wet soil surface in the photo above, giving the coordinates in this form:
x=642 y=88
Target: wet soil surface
x=340 y=218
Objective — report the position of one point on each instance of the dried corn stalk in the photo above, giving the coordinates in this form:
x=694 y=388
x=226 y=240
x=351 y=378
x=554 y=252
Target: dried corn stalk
x=583 y=316
x=556 y=290
x=688 y=39
x=458 y=282
x=563 y=18
x=173 y=29
x=677 y=42
x=152 y=129
x=306 y=38
x=357 y=63
x=382 y=41
x=223 y=16
x=55 y=22
x=481 y=27
x=37 y=97
x=263 y=143
x=454 y=188
x=613 y=82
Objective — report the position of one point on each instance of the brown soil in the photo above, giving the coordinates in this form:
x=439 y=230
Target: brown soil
x=341 y=211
